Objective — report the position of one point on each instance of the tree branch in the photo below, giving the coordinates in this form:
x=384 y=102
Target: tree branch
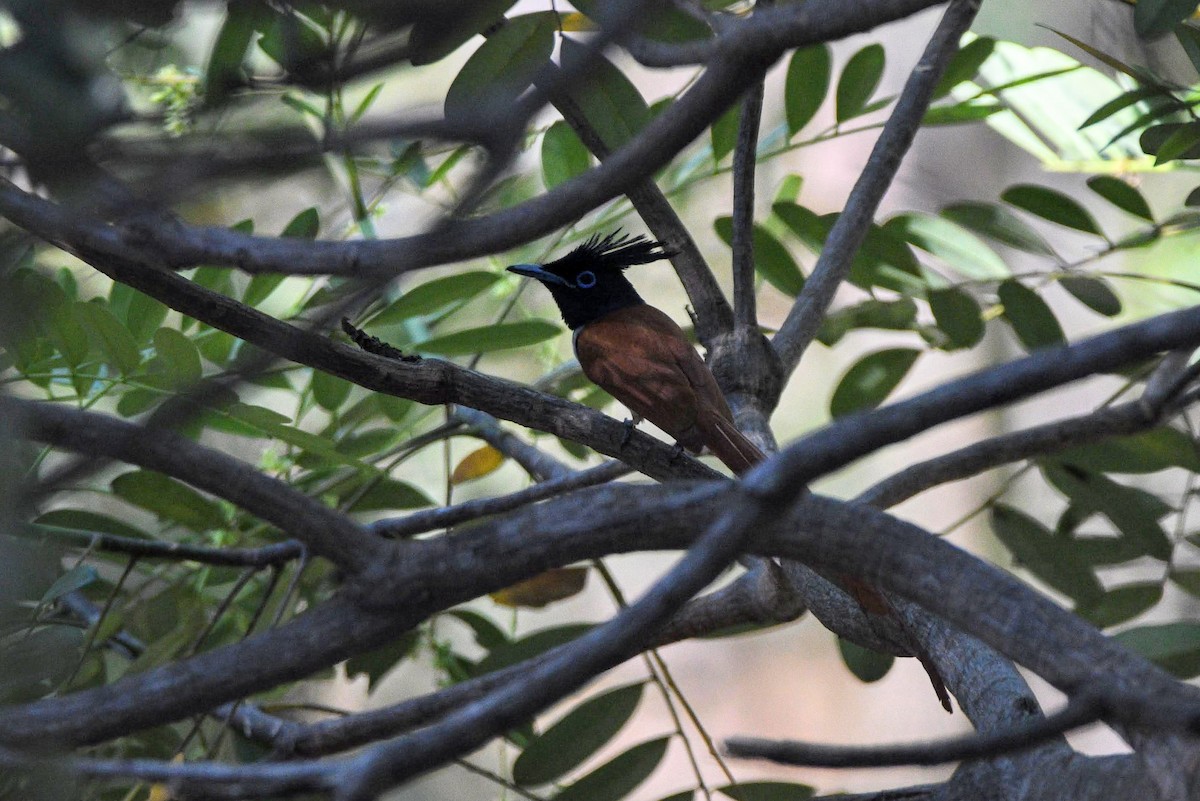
x=745 y=159
x=275 y=553
x=852 y=225
x=744 y=55
x=326 y=531
x=1080 y=711
x=428 y=381
x=386 y=765
x=1128 y=418
x=444 y=517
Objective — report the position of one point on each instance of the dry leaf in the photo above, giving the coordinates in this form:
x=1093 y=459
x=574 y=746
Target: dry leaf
x=477 y=464
x=544 y=588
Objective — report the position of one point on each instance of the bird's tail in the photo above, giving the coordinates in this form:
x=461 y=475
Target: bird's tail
x=730 y=445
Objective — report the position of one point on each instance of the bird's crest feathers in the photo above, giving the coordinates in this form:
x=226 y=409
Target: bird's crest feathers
x=614 y=251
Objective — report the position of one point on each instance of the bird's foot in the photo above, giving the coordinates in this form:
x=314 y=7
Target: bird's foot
x=630 y=425
x=677 y=452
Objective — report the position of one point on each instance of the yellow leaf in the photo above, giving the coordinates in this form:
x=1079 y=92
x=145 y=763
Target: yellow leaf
x=160 y=791
x=477 y=465
x=577 y=22
x=543 y=589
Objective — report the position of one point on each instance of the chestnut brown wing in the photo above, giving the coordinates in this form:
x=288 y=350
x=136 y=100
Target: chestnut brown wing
x=642 y=358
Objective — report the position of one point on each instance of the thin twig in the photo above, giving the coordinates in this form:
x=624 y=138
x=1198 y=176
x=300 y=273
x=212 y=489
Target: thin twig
x=745 y=159
x=445 y=517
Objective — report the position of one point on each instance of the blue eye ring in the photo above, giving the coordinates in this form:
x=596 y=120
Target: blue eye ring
x=585 y=280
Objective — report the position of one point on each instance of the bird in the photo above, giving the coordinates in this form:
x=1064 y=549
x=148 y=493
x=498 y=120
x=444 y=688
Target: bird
x=642 y=358
x=637 y=353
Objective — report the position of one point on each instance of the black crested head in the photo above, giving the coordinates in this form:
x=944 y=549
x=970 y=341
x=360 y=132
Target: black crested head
x=588 y=282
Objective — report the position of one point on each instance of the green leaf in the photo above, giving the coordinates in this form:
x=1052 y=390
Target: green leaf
x=1121 y=195
x=376 y=663
x=859 y=80
x=618 y=777
x=365 y=104
x=76 y=578
x=1029 y=316
x=504 y=65
x=608 y=100
x=958 y=315
x=88 y=521
x=1187 y=580
x=143 y=316
x=67 y=332
x=137 y=400
x=1175 y=647
x=170 y=500
x=434 y=296
x=386 y=493
x=884 y=259
x=894 y=315
x=1104 y=58
x=806 y=85
x=789 y=189
x=529 y=646
x=329 y=391
x=245 y=420
x=1051 y=205
x=1147 y=452
x=488 y=338
x=723 y=134
x=870 y=380
x=1153 y=18
x=1121 y=604
x=448 y=163
x=1189 y=40
x=365 y=443
x=771 y=259
x=229 y=50
x=305 y=225
x=964 y=65
x=487 y=634
x=660 y=22
x=1134 y=512
x=1049 y=558
x=178 y=356
x=34 y=663
x=1172 y=142
x=1120 y=102
x=576 y=736
x=1094 y=293
x=867 y=665
x=112 y=338
x=951 y=243
x=292 y=41
x=998 y=223
x=961 y=113
x=439 y=33
x=767 y=791
x=563 y=155
x=261 y=286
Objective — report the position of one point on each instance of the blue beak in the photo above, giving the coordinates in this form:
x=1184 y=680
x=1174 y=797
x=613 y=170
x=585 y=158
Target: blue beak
x=540 y=273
